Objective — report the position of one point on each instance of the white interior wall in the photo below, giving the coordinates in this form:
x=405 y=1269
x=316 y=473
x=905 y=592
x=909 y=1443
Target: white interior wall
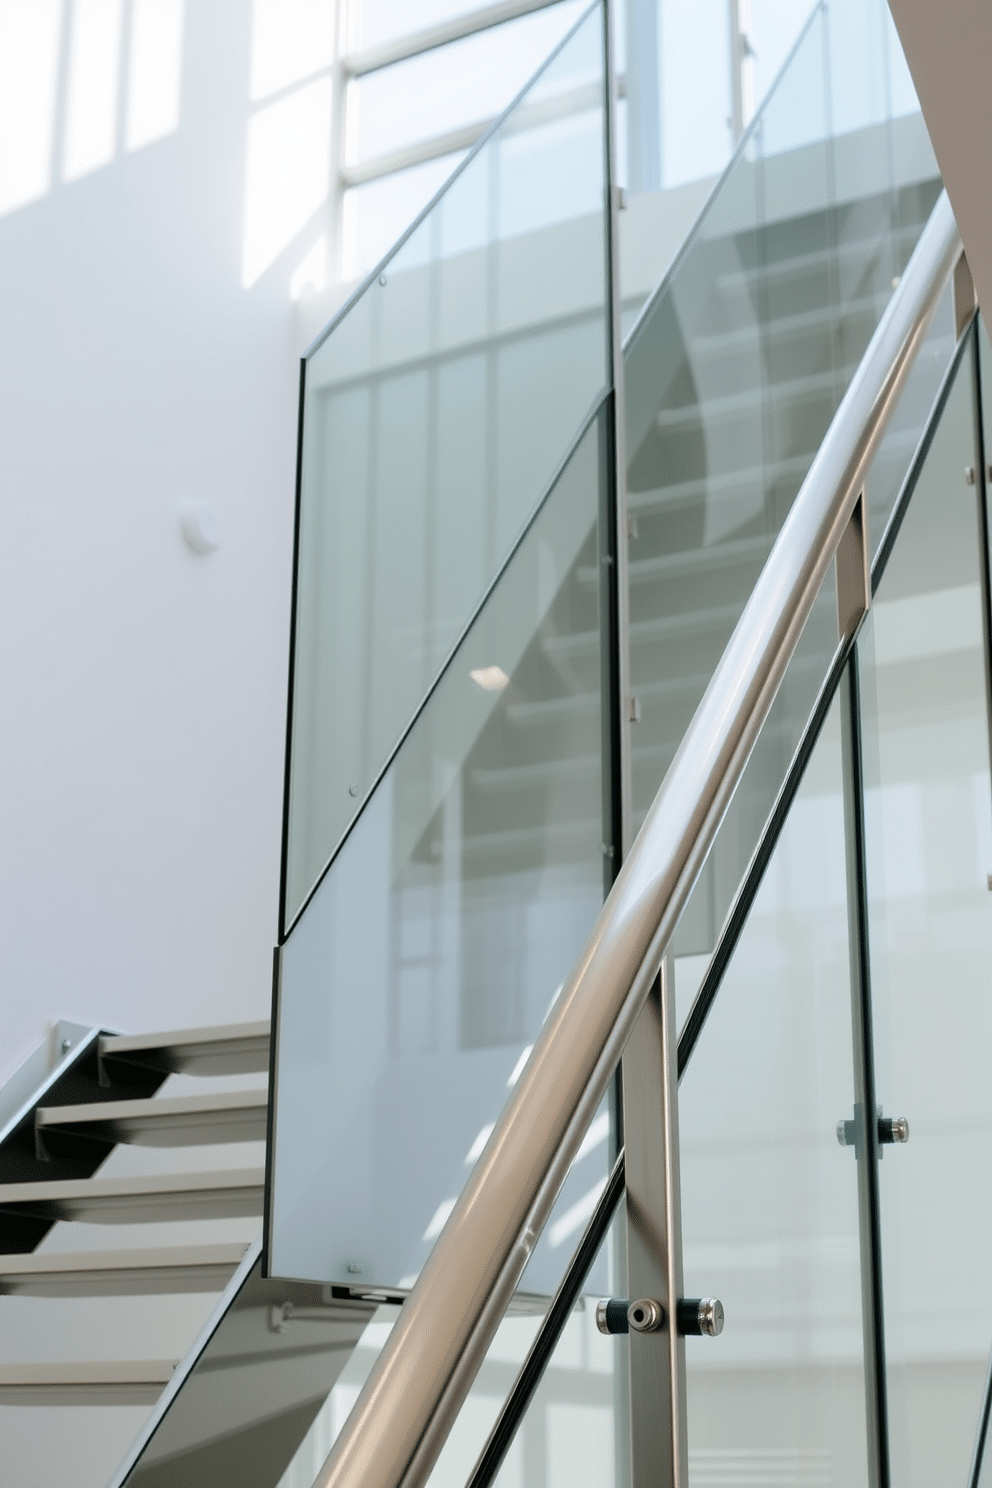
x=143 y=686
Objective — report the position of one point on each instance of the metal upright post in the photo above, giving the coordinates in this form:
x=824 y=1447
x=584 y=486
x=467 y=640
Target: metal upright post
x=614 y=592
x=865 y=1124
x=741 y=80
x=659 y=1454
x=981 y=479
x=614 y=524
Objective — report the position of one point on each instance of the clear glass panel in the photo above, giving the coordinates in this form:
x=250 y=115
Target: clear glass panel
x=426 y=962
x=909 y=419
x=436 y=414
x=769 y=1198
x=566 y=1438
x=375 y=215
x=735 y=372
x=699 y=928
x=255 y=1390
x=771 y=28
x=929 y=853
x=463 y=83
x=846 y=87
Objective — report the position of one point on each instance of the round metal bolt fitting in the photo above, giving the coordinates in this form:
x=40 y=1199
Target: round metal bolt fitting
x=353 y=790
x=969 y=475
x=711 y=1317
x=645 y=1315
x=700 y=1317
x=611 y=1315
x=900 y=1129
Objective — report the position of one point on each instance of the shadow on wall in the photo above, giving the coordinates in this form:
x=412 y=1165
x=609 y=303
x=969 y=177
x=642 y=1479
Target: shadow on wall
x=84 y=82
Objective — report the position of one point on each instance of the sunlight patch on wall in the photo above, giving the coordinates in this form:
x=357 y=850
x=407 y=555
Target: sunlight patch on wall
x=311 y=275
x=290 y=40
x=287 y=173
x=29 y=52
x=91 y=102
x=154 y=71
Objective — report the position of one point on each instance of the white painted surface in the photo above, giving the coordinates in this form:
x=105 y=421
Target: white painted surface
x=143 y=687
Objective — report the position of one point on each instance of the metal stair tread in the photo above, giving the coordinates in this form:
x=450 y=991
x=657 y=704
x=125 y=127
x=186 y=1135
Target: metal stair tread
x=126 y=1272
x=230 y=1192
x=225 y=1116
x=86 y=1382
x=235 y=1048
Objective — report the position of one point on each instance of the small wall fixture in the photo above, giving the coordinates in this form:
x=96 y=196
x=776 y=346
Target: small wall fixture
x=198 y=521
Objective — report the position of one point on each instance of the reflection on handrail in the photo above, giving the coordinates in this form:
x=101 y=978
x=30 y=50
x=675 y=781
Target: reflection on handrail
x=403 y=1414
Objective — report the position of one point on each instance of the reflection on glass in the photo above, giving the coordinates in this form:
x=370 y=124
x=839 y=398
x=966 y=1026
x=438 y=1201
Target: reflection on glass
x=734 y=374
x=422 y=969
x=910 y=417
x=437 y=412
x=566 y=1438
x=846 y=89
x=929 y=853
x=256 y=1389
x=769 y=1198
x=742 y=827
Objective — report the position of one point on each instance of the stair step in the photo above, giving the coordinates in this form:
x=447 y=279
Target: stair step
x=857 y=250
x=112 y=1382
x=752 y=401
x=231 y=1194
x=233 y=1049
x=121 y=1273
x=828 y=318
x=689 y=562
x=171 y=1122
x=706 y=621
x=731 y=485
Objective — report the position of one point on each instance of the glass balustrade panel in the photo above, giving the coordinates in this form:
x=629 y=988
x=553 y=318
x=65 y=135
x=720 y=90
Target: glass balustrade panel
x=435 y=416
x=736 y=369
x=424 y=966
x=451 y=87
x=769 y=1198
x=928 y=814
x=743 y=827
x=565 y=1439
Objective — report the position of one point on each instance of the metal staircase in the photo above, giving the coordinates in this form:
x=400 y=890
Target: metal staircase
x=81 y=1158
x=734 y=371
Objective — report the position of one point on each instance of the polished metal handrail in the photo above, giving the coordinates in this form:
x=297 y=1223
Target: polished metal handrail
x=415 y=1390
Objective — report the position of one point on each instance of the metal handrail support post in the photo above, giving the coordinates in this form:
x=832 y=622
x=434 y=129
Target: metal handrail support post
x=423 y=1374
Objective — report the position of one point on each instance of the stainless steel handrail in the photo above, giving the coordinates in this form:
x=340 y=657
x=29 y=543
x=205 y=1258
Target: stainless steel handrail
x=408 y=1404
